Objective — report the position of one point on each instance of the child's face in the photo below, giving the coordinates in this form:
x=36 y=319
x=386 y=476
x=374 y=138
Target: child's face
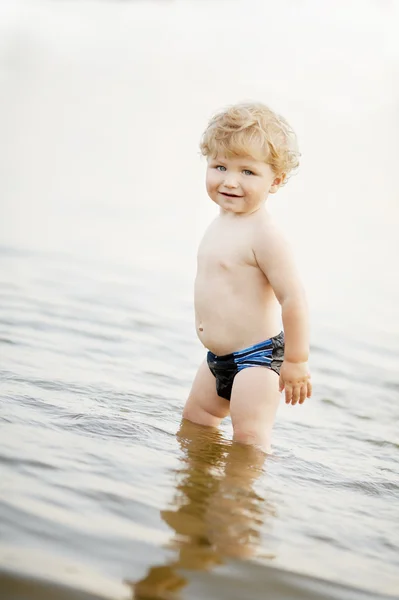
x=240 y=184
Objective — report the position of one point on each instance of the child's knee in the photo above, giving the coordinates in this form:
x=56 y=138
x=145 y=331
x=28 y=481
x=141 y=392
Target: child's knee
x=191 y=412
x=196 y=414
x=245 y=435
x=252 y=436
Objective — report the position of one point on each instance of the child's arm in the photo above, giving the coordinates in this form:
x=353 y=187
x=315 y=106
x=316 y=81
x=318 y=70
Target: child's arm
x=274 y=258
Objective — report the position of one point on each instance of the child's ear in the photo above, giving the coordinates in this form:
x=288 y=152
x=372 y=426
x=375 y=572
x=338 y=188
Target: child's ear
x=278 y=181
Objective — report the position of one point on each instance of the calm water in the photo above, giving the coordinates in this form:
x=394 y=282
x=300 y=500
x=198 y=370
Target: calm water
x=103 y=494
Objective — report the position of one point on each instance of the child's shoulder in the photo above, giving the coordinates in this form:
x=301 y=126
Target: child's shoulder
x=266 y=226
x=268 y=236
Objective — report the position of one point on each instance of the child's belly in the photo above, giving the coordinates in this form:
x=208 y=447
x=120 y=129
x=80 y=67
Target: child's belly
x=230 y=319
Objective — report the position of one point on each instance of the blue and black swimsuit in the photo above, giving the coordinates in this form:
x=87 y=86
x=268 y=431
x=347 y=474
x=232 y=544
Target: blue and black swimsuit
x=269 y=354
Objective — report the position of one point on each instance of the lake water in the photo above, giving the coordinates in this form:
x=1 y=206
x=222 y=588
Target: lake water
x=103 y=494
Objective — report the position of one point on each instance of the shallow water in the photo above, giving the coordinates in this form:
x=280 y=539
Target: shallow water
x=99 y=496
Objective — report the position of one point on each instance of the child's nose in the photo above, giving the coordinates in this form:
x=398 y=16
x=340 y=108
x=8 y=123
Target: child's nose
x=230 y=181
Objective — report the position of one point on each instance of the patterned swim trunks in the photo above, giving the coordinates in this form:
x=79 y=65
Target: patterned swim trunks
x=269 y=354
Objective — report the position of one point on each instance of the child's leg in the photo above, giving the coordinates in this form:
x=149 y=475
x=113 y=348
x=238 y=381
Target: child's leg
x=253 y=406
x=203 y=405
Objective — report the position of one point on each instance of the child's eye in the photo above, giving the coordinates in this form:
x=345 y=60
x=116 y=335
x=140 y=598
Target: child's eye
x=220 y=168
x=248 y=172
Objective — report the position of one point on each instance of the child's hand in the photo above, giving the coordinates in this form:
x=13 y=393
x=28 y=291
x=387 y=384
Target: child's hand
x=295 y=379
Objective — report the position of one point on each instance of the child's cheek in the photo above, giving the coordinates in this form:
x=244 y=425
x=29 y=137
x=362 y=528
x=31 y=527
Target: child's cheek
x=210 y=187
x=211 y=183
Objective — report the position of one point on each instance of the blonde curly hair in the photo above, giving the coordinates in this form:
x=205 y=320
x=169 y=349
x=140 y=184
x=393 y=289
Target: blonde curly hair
x=252 y=129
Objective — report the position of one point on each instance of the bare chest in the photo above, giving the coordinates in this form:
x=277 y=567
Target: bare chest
x=225 y=250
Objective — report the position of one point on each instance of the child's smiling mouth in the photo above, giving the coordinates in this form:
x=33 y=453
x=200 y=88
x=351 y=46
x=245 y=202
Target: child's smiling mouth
x=230 y=195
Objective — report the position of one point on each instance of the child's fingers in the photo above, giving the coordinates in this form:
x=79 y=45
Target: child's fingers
x=280 y=384
x=288 y=394
x=296 y=393
x=302 y=397
x=310 y=389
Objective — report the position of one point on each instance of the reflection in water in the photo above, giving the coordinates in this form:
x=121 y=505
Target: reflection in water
x=216 y=512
